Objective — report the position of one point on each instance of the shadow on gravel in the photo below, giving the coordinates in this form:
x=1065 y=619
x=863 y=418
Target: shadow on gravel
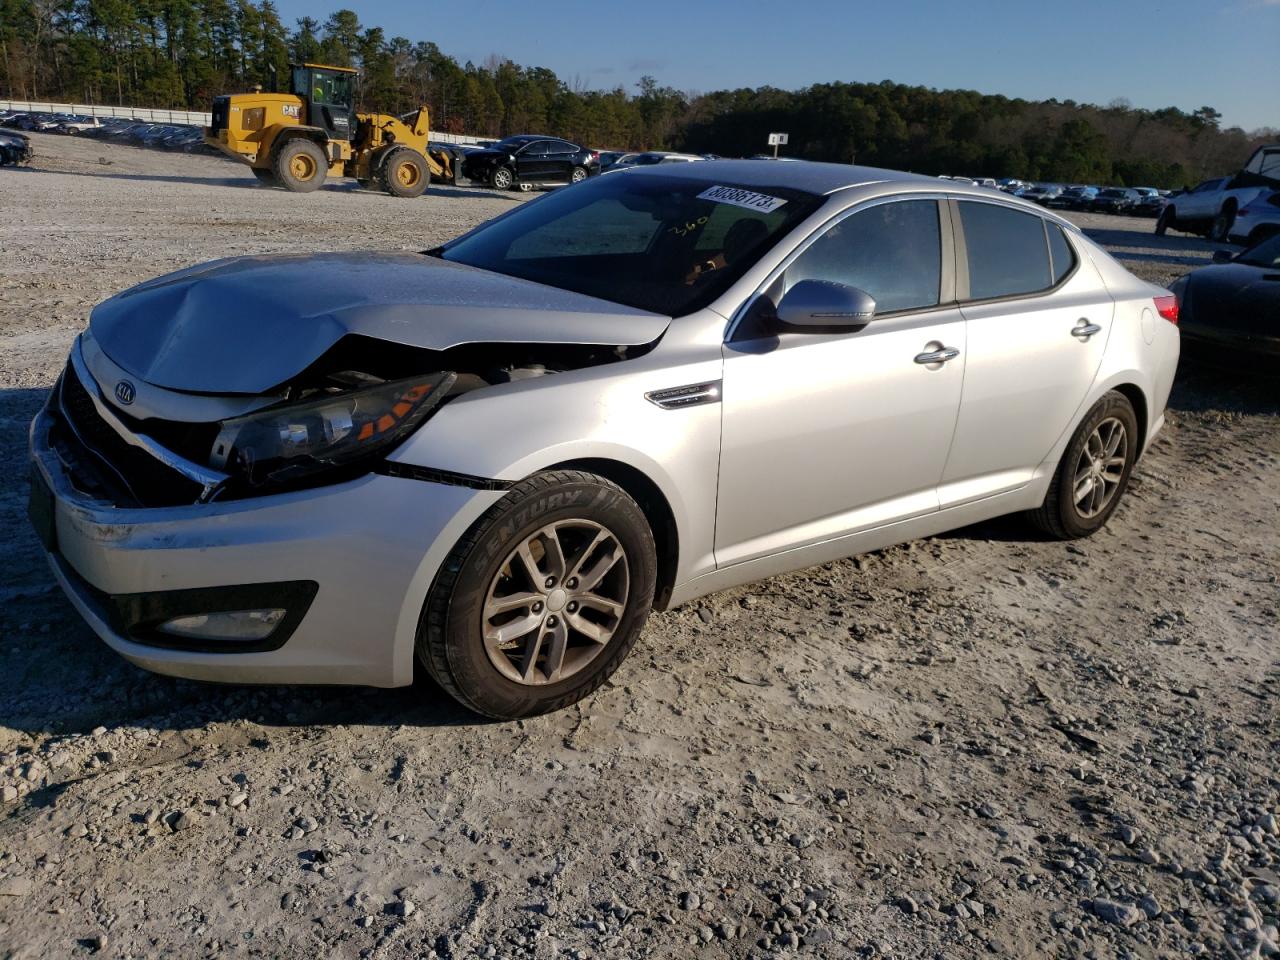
x=1203 y=386
x=1173 y=243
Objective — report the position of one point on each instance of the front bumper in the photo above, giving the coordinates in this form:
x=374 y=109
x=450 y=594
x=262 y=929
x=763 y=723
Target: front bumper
x=371 y=546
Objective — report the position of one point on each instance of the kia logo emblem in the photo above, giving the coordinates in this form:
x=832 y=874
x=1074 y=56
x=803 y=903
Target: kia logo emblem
x=125 y=392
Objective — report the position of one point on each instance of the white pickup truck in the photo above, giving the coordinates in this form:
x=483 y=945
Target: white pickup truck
x=1210 y=208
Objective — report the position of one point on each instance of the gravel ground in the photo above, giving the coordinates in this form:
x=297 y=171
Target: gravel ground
x=982 y=744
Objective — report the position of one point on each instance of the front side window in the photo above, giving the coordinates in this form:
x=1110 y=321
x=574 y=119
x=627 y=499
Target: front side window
x=893 y=251
x=1007 y=252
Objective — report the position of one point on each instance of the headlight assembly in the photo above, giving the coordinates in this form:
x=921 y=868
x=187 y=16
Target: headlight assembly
x=283 y=444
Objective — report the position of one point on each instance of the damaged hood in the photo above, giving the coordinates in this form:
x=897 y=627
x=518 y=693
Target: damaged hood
x=248 y=324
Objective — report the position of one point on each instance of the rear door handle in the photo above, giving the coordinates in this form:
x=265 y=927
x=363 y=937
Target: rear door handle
x=941 y=355
x=1083 y=330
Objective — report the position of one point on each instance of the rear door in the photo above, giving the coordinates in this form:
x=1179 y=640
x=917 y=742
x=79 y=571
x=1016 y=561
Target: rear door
x=560 y=157
x=1037 y=319
x=532 y=163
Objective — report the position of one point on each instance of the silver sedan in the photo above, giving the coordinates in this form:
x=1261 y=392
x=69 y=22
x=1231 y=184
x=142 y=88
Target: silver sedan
x=495 y=458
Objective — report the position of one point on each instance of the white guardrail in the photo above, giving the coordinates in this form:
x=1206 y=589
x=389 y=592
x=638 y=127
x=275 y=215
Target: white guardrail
x=191 y=118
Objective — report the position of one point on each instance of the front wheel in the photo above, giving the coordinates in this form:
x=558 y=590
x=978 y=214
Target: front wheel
x=405 y=173
x=502 y=178
x=1094 y=471
x=542 y=599
x=1165 y=221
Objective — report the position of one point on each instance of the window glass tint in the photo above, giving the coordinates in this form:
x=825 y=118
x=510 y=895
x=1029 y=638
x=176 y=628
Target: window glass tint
x=1060 y=251
x=538 y=148
x=560 y=146
x=893 y=251
x=650 y=242
x=1007 y=251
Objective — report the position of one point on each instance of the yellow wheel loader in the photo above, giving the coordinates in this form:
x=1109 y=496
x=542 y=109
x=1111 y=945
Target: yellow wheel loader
x=294 y=140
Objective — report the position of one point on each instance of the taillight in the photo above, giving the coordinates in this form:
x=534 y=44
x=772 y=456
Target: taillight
x=1167 y=307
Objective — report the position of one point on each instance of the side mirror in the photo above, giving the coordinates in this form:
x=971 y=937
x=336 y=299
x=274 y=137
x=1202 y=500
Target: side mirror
x=1223 y=256
x=821 y=303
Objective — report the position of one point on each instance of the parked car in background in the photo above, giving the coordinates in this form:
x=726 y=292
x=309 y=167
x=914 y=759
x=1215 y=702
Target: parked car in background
x=1148 y=205
x=1257 y=219
x=650 y=158
x=1210 y=208
x=497 y=456
x=1229 y=311
x=528 y=160
x=1040 y=193
x=78 y=125
x=1072 y=198
x=1012 y=184
x=1113 y=200
x=15 y=148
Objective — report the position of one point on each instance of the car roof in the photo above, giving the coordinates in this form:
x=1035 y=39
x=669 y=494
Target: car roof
x=806 y=175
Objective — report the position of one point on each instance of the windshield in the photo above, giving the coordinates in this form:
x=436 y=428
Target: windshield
x=1265 y=254
x=669 y=245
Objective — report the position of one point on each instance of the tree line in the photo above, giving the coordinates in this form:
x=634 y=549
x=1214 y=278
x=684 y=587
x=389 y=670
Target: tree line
x=181 y=53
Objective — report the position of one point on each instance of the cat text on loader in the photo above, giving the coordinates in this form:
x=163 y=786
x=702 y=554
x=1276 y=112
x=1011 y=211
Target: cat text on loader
x=293 y=140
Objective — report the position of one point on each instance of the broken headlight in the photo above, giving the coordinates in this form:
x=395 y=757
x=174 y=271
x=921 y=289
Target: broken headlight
x=283 y=444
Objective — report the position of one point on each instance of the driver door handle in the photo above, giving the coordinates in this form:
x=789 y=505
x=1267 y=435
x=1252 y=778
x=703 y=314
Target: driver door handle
x=1083 y=330
x=941 y=355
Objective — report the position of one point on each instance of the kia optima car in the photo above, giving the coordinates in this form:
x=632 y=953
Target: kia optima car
x=496 y=457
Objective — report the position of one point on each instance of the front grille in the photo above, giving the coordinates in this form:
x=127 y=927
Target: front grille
x=104 y=464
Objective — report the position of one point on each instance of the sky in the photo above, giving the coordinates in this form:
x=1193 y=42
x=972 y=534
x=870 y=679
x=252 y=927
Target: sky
x=1181 y=53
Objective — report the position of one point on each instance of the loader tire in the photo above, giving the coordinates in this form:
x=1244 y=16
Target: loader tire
x=405 y=173
x=300 y=166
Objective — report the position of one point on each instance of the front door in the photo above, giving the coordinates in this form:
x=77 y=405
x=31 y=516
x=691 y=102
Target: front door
x=1037 y=329
x=828 y=433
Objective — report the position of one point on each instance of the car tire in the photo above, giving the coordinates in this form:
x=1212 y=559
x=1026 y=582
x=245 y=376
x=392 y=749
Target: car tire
x=1074 y=506
x=1220 y=227
x=266 y=177
x=405 y=173
x=1166 y=221
x=578 y=175
x=300 y=166
x=502 y=178
x=461 y=640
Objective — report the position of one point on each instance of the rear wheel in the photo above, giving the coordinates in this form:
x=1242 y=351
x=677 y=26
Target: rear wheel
x=1220 y=229
x=503 y=178
x=266 y=177
x=300 y=166
x=579 y=174
x=1166 y=221
x=405 y=173
x=542 y=599
x=1094 y=471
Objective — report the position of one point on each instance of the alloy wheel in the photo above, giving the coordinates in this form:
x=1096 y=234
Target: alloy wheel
x=1100 y=468
x=555 y=602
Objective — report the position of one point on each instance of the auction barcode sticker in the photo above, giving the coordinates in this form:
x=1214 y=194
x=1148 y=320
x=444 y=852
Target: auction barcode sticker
x=742 y=198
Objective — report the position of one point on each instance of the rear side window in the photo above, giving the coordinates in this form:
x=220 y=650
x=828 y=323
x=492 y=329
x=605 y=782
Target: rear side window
x=1061 y=256
x=893 y=251
x=1007 y=252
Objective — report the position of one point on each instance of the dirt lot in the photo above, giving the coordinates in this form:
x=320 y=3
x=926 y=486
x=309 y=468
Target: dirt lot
x=981 y=744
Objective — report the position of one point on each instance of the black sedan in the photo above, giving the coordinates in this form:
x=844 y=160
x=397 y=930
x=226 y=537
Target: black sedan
x=529 y=160
x=1230 y=312
x=1114 y=200
x=14 y=149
